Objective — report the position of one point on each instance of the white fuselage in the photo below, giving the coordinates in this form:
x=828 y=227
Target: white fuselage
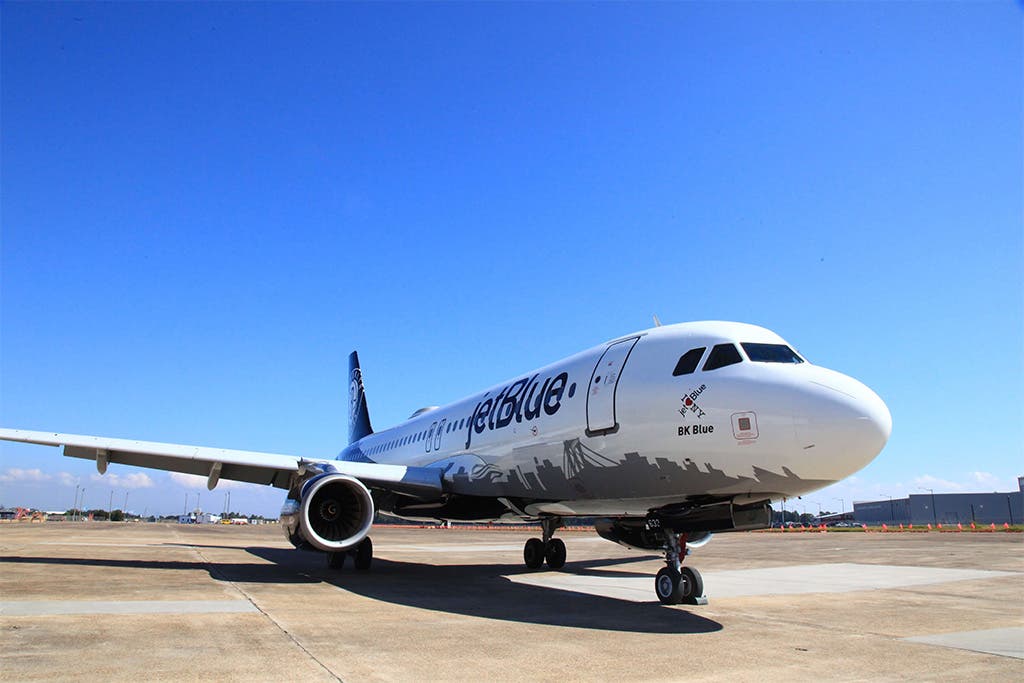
x=612 y=431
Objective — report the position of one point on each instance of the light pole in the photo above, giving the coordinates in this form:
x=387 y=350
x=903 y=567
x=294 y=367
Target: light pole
x=110 y=506
x=935 y=516
x=74 y=508
x=842 y=506
x=125 y=508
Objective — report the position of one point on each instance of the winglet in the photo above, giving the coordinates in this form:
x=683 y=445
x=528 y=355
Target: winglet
x=358 y=415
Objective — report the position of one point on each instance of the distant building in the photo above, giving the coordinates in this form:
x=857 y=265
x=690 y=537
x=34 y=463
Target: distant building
x=945 y=508
x=198 y=517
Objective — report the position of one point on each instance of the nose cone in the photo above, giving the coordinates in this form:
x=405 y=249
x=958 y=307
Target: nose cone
x=841 y=423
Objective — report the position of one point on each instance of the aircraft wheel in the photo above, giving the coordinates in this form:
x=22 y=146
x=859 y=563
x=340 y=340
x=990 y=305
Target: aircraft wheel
x=336 y=560
x=533 y=553
x=691 y=585
x=554 y=554
x=364 y=554
x=666 y=585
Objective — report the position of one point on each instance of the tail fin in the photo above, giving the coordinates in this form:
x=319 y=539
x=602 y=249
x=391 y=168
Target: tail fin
x=358 y=415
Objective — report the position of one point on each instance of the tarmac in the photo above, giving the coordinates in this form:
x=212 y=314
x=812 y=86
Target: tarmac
x=109 y=601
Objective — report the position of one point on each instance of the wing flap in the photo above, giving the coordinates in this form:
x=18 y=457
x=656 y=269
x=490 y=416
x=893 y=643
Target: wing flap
x=278 y=477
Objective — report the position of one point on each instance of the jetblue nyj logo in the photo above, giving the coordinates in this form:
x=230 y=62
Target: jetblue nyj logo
x=524 y=399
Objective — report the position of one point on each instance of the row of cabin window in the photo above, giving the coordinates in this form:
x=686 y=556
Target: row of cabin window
x=726 y=354
x=451 y=426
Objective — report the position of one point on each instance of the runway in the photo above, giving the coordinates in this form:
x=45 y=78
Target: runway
x=167 y=602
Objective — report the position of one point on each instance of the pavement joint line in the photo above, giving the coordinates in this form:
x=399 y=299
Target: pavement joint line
x=220 y=577
x=1001 y=642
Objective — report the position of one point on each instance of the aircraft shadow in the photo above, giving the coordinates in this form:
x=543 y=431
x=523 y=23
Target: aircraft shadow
x=483 y=590
x=479 y=590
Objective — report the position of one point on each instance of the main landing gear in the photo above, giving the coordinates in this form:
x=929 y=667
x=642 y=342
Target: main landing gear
x=362 y=554
x=676 y=584
x=549 y=549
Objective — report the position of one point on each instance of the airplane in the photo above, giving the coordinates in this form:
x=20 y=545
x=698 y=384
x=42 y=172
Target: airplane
x=665 y=436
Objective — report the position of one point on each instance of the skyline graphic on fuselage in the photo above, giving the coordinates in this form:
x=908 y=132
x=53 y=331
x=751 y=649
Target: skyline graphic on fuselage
x=585 y=473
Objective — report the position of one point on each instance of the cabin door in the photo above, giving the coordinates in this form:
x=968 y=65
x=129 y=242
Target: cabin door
x=604 y=381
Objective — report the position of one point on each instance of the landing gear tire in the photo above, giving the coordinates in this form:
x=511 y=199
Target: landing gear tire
x=667 y=584
x=364 y=555
x=691 y=585
x=533 y=553
x=336 y=560
x=554 y=554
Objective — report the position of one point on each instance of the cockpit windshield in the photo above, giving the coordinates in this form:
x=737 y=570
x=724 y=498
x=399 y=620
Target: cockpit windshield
x=722 y=355
x=770 y=353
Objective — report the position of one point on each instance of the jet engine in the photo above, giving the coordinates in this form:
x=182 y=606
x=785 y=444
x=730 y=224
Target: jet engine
x=333 y=512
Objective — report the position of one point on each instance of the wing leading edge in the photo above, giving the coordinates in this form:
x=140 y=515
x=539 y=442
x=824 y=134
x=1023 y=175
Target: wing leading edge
x=273 y=469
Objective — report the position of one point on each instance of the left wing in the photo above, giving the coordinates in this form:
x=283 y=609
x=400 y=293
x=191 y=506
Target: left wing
x=272 y=469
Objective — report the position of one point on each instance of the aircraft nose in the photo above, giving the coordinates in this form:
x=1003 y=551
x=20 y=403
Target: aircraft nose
x=842 y=420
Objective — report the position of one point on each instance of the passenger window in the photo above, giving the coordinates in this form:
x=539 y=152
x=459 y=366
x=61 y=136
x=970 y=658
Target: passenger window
x=771 y=353
x=722 y=355
x=688 y=362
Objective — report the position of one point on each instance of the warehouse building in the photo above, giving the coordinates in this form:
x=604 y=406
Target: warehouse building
x=945 y=508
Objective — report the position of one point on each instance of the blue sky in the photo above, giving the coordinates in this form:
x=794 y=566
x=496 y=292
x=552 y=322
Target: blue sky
x=205 y=207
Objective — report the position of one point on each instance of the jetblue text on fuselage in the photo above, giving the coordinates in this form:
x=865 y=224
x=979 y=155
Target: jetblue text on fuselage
x=524 y=399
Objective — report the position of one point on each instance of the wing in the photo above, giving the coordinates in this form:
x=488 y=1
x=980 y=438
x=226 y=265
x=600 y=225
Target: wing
x=272 y=469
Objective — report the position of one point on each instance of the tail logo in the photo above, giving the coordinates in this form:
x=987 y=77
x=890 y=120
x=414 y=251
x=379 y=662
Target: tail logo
x=355 y=394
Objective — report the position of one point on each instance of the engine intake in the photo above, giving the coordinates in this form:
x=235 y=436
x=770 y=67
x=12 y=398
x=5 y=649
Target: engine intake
x=334 y=512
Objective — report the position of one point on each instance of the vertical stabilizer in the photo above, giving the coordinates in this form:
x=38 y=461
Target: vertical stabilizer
x=358 y=415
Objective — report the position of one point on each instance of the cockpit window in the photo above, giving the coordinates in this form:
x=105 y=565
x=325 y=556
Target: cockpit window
x=771 y=353
x=722 y=355
x=688 y=361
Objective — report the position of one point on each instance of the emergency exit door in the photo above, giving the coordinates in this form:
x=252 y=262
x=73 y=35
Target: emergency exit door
x=604 y=381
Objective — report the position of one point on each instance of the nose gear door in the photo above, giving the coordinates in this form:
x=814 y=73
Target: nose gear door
x=604 y=381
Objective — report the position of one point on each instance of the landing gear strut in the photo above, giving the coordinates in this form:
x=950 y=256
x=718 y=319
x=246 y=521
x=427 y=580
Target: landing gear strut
x=362 y=554
x=549 y=549
x=676 y=584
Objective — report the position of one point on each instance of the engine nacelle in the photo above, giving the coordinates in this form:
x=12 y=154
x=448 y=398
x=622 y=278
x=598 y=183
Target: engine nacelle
x=334 y=512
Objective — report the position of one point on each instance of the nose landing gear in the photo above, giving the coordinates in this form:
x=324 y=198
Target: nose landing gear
x=537 y=551
x=674 y=583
